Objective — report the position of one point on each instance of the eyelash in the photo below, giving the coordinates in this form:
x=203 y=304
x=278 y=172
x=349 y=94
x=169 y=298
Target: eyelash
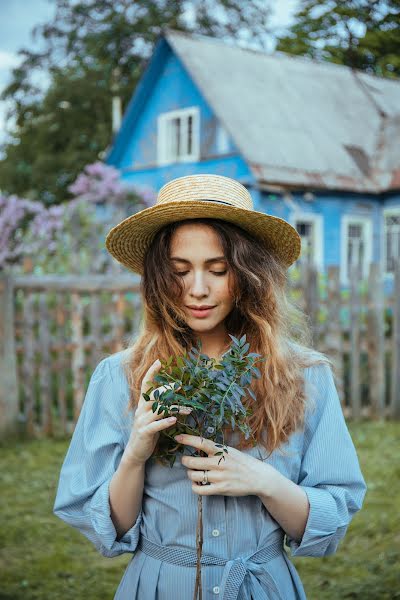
x=214 y=272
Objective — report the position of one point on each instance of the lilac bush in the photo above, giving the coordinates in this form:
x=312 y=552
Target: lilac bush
x=98 y=183
x=69 y=238
x=16 y=215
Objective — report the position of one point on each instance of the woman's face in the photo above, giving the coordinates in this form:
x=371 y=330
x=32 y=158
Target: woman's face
x=206 y=281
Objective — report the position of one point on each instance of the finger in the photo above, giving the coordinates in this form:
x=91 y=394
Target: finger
x=196 y=441
x=198 y=476
x=161 y=424
x=206 y=490
x=148 y=379
x=183 y=410
x=200 y=463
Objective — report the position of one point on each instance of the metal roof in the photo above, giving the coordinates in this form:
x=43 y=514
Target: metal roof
x=298 y=122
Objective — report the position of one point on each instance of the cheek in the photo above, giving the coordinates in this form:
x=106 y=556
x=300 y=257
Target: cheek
x=223 y=296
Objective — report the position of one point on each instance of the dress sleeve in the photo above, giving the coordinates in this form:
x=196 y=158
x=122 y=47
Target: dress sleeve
x=330 y=473
x=93 y=456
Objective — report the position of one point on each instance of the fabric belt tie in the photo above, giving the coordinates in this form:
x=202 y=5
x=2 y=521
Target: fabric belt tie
x=235 y=570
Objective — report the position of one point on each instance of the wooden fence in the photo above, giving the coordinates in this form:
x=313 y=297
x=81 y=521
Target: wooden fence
x=55 y=329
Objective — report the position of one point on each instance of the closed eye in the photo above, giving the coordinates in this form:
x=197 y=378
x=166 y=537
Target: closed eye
x=213 y=272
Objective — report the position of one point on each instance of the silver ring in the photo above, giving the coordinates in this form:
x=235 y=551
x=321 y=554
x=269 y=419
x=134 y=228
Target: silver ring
x=205 y=479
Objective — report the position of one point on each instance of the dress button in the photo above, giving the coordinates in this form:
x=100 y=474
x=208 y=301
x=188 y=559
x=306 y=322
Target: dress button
x=216 y=589
x=215 y=532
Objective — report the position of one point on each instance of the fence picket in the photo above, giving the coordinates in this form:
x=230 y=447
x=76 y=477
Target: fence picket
x=78 y=356
x=333 y=332
x=395 y=395
x=355 y=310
x=376 y=342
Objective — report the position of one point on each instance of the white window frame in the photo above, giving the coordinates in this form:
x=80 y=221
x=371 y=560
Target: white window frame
x=163 y=156
x=367 y=229
x=387 y=212
x=318 y=227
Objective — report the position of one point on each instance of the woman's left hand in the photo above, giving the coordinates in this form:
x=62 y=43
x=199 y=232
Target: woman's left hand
x=237 y=475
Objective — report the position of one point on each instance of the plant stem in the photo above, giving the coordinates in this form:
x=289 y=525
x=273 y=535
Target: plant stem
x=199 y=545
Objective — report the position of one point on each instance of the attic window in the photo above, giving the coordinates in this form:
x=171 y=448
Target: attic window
x=178 y=136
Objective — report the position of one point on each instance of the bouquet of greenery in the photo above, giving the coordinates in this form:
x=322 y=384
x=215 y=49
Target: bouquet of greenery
x=214 y=390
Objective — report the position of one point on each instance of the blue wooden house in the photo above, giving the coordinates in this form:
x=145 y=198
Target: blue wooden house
x=317 y=144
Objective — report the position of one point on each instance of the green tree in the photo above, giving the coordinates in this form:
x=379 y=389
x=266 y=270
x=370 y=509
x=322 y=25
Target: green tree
x=91 y=49
x=362 y=34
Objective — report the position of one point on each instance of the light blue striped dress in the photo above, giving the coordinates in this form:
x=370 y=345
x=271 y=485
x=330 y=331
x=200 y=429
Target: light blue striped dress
x=243 y=552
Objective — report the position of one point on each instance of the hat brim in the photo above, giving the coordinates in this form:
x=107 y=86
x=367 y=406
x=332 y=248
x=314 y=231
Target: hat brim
x=128 y=241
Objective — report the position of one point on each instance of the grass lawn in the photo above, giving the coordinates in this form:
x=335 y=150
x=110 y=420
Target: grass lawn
x=43 y=558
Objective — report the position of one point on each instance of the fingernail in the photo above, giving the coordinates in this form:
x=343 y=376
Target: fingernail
x=171 y=419
x=178 y=438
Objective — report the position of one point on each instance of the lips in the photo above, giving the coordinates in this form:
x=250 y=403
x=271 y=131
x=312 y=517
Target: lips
x=201 y=313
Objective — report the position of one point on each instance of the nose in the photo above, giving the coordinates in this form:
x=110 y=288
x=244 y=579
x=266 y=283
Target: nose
x=199 y=285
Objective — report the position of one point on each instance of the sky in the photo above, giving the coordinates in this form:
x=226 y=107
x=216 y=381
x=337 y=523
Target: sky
x=19 y=17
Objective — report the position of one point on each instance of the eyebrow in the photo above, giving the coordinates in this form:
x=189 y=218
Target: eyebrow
x=206 y=262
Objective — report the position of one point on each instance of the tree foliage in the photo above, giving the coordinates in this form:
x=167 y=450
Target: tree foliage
x=93 y=49
x=362 y=34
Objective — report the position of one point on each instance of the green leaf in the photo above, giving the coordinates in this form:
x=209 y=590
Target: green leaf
x=252 y=394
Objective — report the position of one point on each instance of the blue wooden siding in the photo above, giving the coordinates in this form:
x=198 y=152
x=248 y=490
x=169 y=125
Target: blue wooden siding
x=173 y=89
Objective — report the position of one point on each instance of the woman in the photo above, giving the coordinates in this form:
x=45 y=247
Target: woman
x=202 y=244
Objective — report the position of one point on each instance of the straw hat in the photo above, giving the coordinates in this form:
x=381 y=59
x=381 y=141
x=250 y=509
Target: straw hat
x=196 y=196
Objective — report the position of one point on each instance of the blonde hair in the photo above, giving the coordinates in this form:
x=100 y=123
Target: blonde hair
x=275 y=328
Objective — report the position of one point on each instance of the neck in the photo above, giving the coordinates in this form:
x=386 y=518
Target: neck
x=213 y=346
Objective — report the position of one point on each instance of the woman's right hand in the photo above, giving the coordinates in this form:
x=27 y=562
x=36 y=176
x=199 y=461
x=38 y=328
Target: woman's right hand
x=148 y=424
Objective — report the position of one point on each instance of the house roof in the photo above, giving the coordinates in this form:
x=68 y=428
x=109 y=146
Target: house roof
x=299 y=122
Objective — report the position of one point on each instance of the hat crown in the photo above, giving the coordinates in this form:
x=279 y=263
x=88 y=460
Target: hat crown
x=212 y=188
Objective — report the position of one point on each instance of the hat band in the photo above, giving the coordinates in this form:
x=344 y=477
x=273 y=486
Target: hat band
x=219 y=201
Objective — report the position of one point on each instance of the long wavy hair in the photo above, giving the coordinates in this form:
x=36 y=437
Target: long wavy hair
x=275 y=327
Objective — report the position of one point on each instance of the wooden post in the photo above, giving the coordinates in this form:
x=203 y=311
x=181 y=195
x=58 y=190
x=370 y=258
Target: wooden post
x=46 y=420
x=9 y=405
x=78 y=354
x=395 y=384
x=62 y=362
x=376 y=341
x=355 y=346
x=28 y=360
x=334 y=337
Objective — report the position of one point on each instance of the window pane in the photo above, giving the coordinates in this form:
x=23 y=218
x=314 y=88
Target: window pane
x=189 y=134
x=305 y=230
x=355 y=231
x=177 y=136
x=355 y=248
x=392 y=230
